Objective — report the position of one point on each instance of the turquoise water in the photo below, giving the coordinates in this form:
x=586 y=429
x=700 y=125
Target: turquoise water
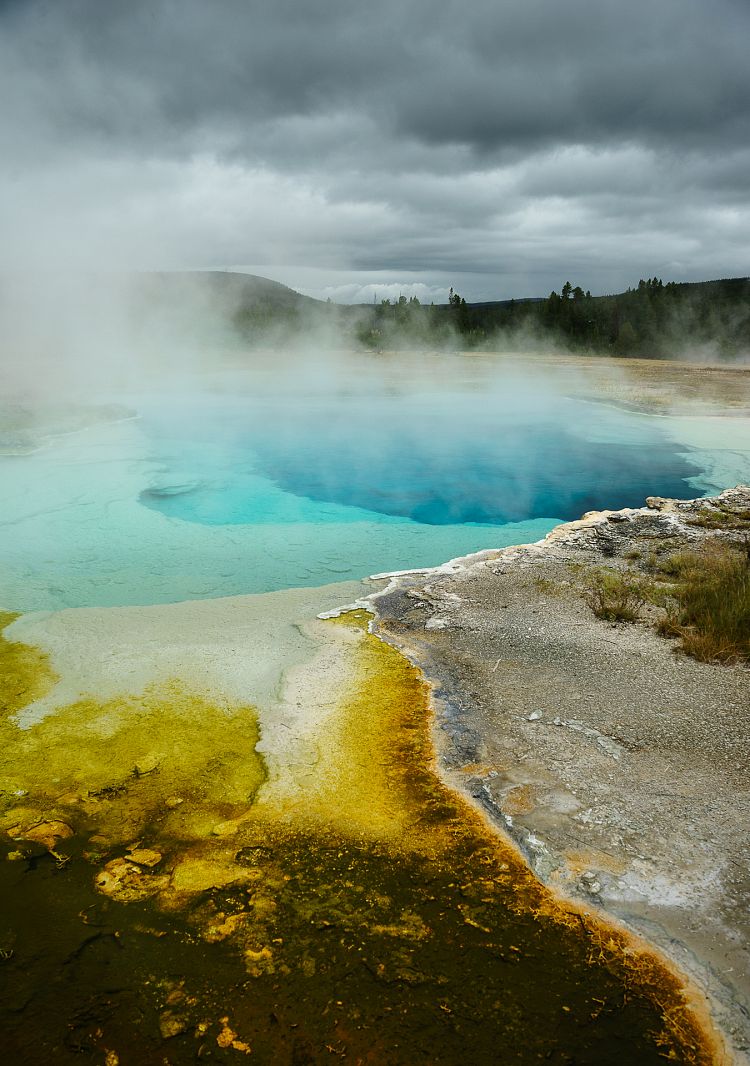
x=431 y=459
x=252 y=486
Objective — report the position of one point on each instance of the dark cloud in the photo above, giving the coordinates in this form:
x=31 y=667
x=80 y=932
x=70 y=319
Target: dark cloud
x=490 y=76
x=501 y=140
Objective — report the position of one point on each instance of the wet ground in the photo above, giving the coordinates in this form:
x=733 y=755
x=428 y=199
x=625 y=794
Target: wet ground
x=150 y=917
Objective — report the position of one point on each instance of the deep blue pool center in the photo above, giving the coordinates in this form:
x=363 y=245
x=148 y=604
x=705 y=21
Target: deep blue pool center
x=431 y=459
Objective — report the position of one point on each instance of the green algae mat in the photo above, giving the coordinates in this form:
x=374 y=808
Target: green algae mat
x=160 y=904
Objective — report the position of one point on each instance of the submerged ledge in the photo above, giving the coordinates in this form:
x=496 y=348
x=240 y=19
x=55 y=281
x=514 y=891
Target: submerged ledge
x=617 y=766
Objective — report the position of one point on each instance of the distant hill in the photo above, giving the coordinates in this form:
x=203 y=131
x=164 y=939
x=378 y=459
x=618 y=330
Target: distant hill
x=222 y=287
x=652 y=320
x=207 y=306
x=179 y=309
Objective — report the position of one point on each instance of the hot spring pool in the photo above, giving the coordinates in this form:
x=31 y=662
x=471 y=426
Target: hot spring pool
x=258 y=484
x=294 y=486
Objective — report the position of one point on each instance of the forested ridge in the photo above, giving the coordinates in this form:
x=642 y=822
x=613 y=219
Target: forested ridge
x=709 y=320
x=652 y=320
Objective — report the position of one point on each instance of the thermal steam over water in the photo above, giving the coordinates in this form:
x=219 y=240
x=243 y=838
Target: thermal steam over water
x=436 y=460
x=271 y=481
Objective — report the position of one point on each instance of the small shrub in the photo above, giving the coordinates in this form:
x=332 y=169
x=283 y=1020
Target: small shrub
x=720 y=516
x=660 y=594
x=711 y=611
x=615 y=597
x=669 y=625
x=706 y=648
x=673 y=565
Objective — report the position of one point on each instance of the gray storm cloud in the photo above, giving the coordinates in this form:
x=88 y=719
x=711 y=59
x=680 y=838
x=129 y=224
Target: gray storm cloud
x=500 y=148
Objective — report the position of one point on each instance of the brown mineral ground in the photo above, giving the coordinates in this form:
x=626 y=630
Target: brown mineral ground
x=657 y=386
x=618 y=764
x=171 y=897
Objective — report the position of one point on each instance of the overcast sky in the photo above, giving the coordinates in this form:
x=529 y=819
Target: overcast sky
x=401 y=146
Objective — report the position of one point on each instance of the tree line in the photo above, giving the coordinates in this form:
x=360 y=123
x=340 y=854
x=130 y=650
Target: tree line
x=652 y=320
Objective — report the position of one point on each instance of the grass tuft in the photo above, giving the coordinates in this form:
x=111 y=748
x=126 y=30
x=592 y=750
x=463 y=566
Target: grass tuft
x=711 y=609
x=720 y=516
x=615 y=597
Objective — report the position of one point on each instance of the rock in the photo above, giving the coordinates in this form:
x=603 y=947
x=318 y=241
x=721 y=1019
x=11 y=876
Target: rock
x=226 y=926
x=228 y=1038
x=127 y=882
x=590 y=883
x=147 y=765
x=259 y=963
x=534 y=716
x=145 y=857
x=610 y=746
x=225 y=829
x=172 y=1024
x=45 y=833
x=196 y=874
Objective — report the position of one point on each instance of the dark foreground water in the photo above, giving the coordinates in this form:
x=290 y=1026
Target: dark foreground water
x=438 y=981
x=180 y=914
